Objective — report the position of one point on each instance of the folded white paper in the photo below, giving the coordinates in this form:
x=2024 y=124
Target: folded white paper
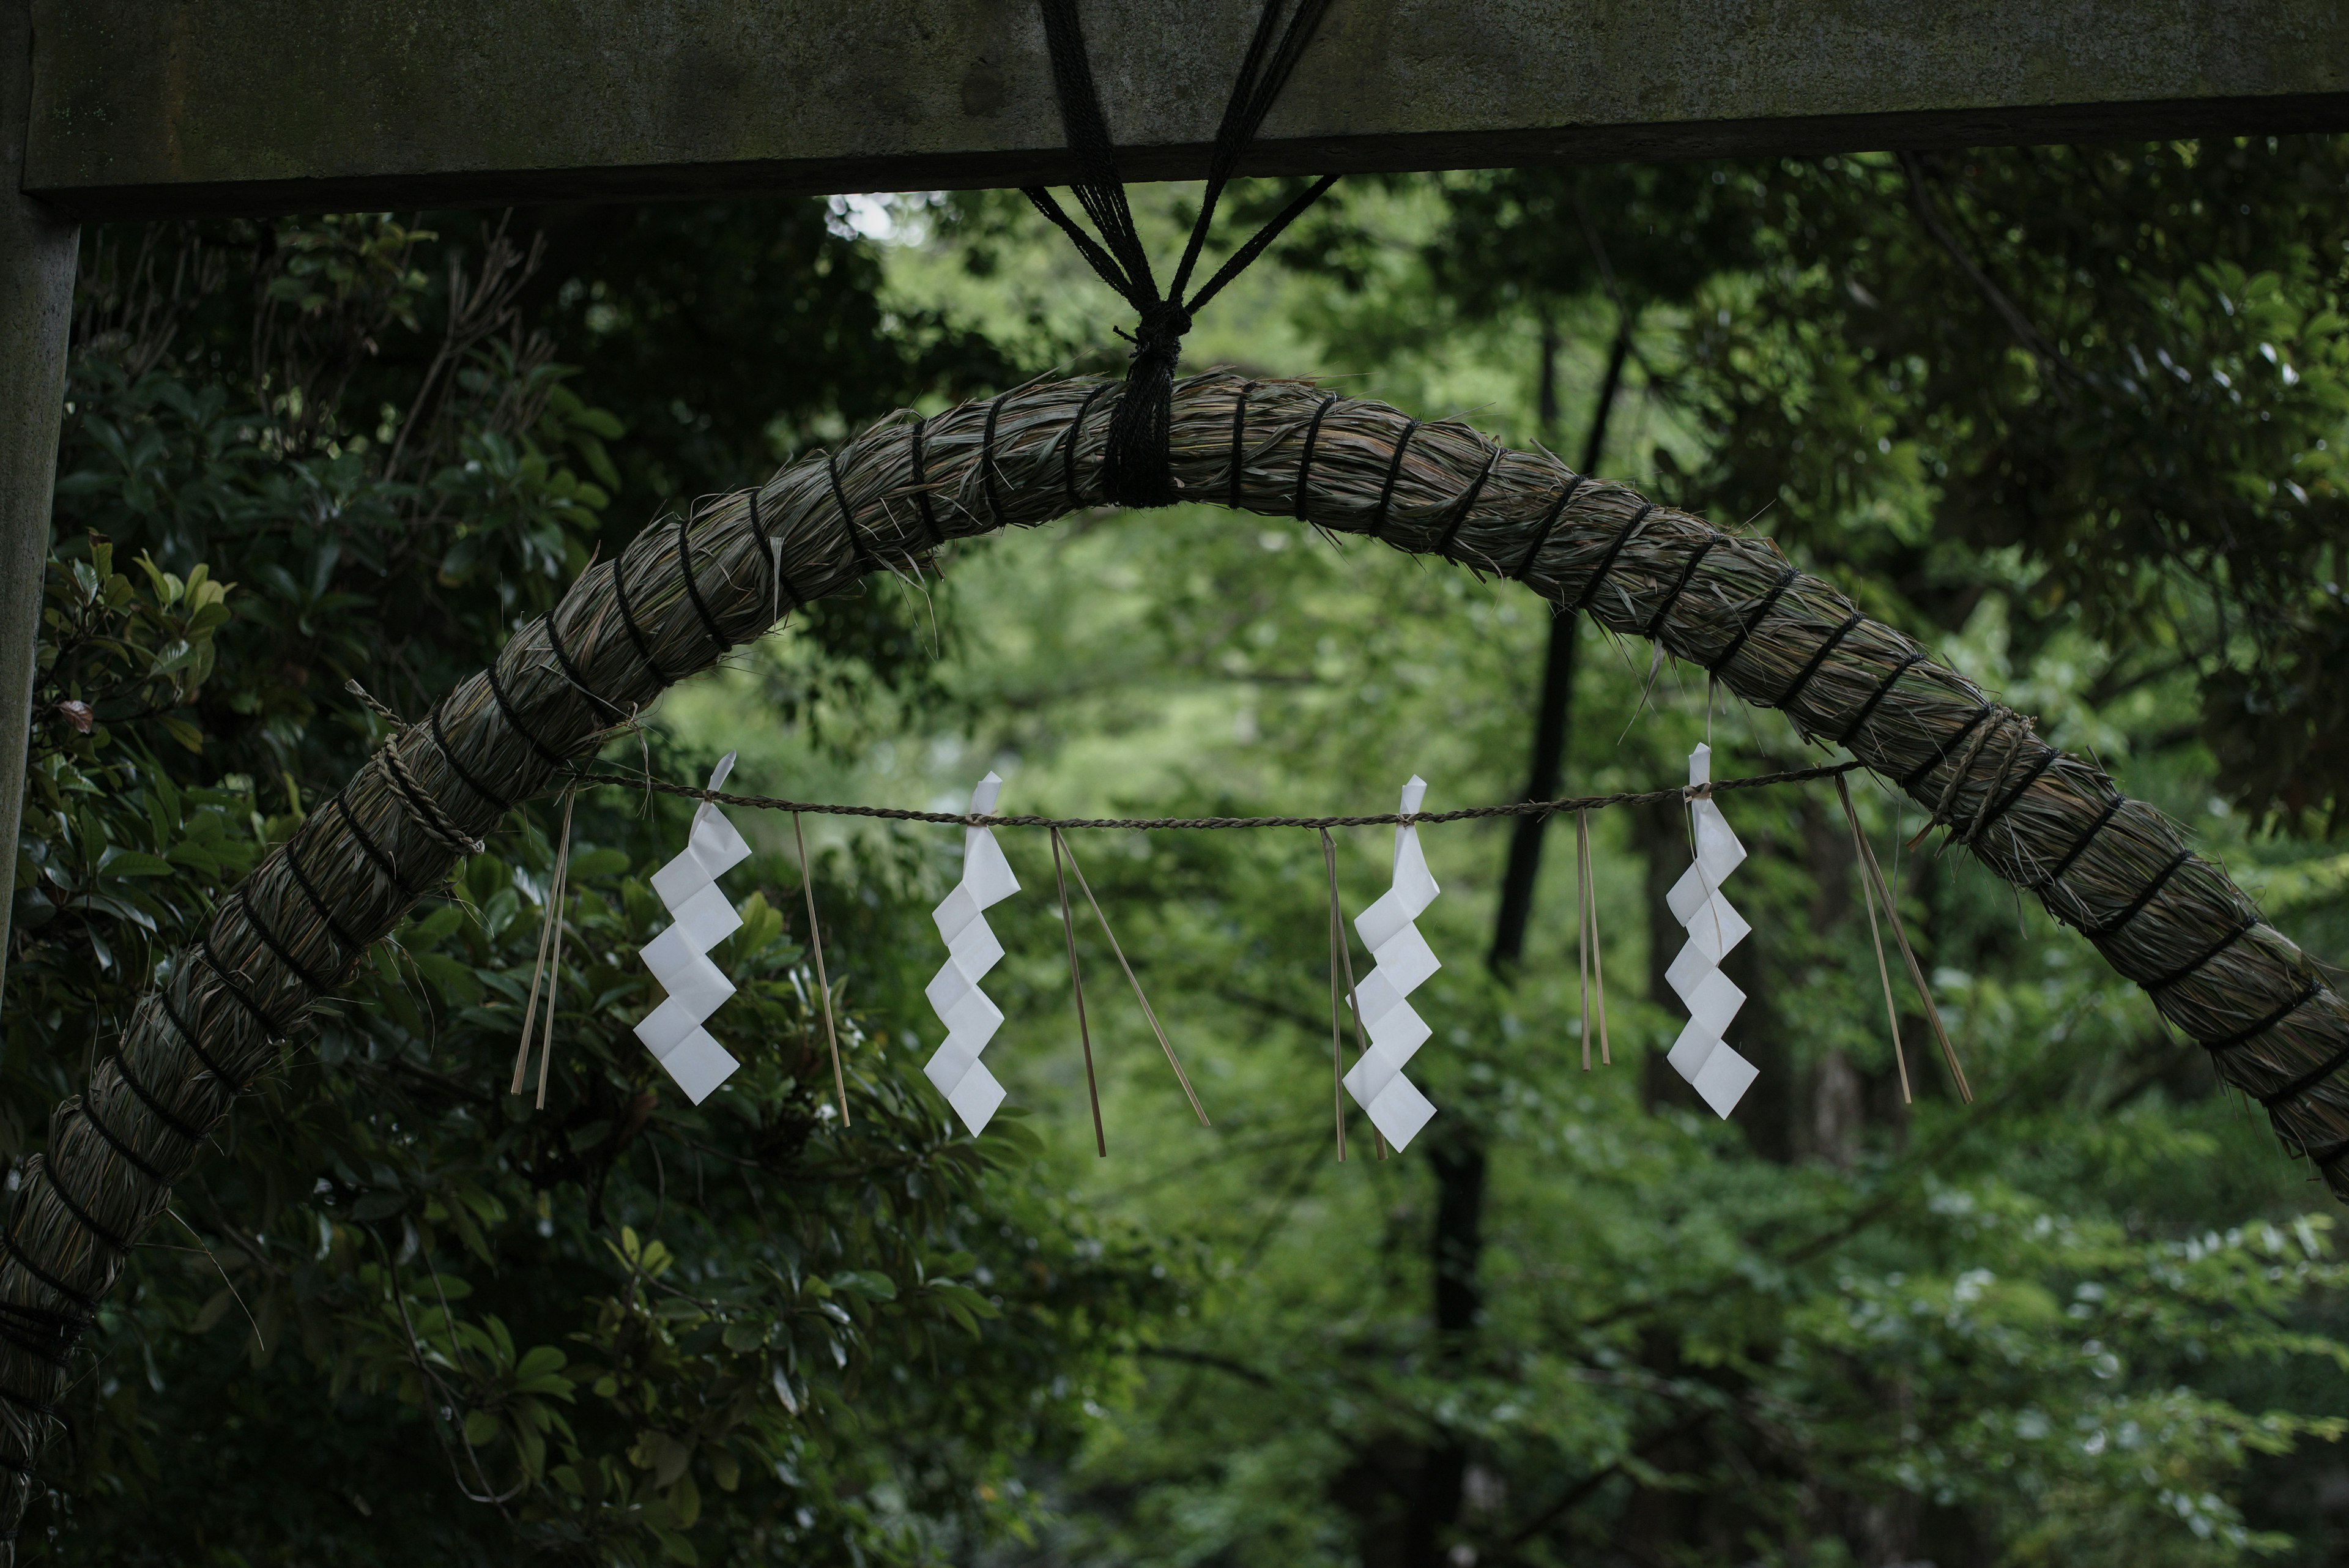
x=971 y=1019
x=1720 y=1076
x=1395 y=1031
x=678 y=957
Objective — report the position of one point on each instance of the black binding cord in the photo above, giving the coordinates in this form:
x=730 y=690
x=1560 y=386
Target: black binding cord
x=234 y=983
x=1305 y=460
x=1068 y=453
x=2250 y=1032
x=1607 y=561
x=2315 y=1075
x=1548 y=526
x=2007 y=801
x=317 y=903
x=613 y=713
x=1817 y=661
x=546 y=753
x=779 y=581
x=629 y=622
x=374 y=850
x=1386 y=492
x=196 y=1044
x=113 y=1238
x=2186 y=969
x=271 y=940
x=1239 y=441
x=1687 y=574
x=856 y=547
x=922 y=478
x=2080 y=845
x=693 y=589
x=1460 y=508
x=464 y=774
x=155 y=1107
x=1867 y=708
x=1916 y=775
x=1137 y=467
x=16 y=1248
x=46 y=1337
x=1760 y=613
x=986 y=460
x=2136 y=906
x=131 y=1157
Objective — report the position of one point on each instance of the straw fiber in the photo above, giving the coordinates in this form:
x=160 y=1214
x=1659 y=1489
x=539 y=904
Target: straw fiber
x=688 y=590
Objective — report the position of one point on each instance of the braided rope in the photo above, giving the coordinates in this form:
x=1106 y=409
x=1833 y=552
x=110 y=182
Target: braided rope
x=2038 y=818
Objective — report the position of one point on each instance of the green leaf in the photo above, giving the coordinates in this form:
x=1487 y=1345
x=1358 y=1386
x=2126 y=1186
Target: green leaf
x=118 y=862
x=540 y=1360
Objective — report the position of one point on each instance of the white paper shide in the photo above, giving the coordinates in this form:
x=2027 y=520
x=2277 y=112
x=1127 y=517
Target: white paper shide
x=1720 y=1076
x=679 y=955
x=971 y=1019
x=1395 y=1030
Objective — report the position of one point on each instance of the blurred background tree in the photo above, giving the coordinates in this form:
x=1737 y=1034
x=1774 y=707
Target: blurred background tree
x=2065 y=413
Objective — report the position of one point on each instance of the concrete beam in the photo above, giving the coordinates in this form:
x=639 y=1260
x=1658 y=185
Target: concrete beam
x=258 y=106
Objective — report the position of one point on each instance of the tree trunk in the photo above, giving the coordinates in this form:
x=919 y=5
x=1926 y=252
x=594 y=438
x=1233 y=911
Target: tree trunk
x=1458 y=1159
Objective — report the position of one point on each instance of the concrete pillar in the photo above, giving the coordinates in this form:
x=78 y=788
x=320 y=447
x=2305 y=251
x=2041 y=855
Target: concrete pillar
x=37 y=252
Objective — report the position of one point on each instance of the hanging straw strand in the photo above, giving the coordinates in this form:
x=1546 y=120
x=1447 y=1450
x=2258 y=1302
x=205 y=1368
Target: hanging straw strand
x=554 y=903
x=545 y=935
x=1077 y=988
x=823 y=980
x=1147 y=1010
x=1582 y=923
x=1337 y=1057
x=1354 y=1011
x=1876 y=934
x=1915 y=970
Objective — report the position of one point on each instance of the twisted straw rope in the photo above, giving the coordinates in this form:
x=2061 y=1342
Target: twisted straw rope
x=682 y=595
x=1155 y=823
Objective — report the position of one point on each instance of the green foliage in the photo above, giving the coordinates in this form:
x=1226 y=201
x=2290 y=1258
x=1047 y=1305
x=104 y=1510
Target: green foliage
x=402 y=1314
x=2127 y=365
x=2086 y=1319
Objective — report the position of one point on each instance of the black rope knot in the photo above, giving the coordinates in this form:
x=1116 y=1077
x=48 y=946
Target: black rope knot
x=1137 y=465
x=1137 y=462
x=1158 y=341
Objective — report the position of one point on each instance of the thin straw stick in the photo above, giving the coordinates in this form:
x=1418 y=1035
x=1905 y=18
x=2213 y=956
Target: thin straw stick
x=554 y=960
x=1867 y=898
x=1582 y=922
x=1354 y=1009
x=1147 y=1010
x=1597 y=947
x=1337 y=1059
x=1915 y=970
x=823 y=980
x=1077 y=985
x=538 y=968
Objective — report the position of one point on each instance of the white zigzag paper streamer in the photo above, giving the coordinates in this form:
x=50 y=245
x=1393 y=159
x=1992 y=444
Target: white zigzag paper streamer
x=971 y=1020
x=1396 y=1108
x=1720 y=1076
x=678 y=957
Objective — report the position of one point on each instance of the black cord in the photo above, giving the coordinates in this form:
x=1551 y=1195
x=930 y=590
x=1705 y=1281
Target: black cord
x=1305 y=462
x=1548 y=525
x=1137 y=468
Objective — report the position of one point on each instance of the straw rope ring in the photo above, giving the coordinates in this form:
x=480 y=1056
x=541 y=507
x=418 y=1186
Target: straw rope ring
x=2051 y=823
